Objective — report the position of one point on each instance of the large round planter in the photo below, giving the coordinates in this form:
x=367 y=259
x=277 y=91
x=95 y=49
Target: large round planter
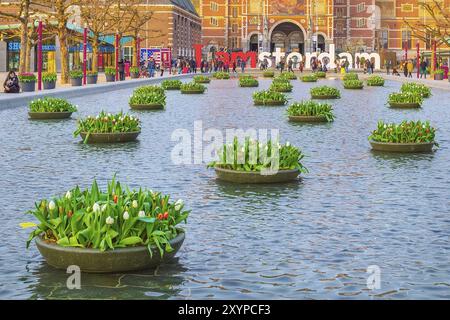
x=91 y=79
x=110 y=78
x=308 y=119
x=249 y=85
x=376 y=85
x=172 y=88
x=134 y=75
x=324 y=97
x=110 y=137
x=269 y=103
x=96 y=261
x=76 y=82
x=354 y=88
x=203 y=81
x=192 y=91
x=309 y=80
x=402 y=147
x=49 y=115
x=438 y=77
x=283 y=90
x=49 y=85
x=155 y=106
x=28 y=86
x=256 y=177
x=401 y=105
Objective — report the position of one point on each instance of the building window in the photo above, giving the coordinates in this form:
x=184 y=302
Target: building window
x=361 y=23
x=406 y=39
x=234 y=27
x=384 y=39
x=234 y=42
x=214 y=22
x=407 y=7
x=234 y=12
x=214 y=6
x=361 y=7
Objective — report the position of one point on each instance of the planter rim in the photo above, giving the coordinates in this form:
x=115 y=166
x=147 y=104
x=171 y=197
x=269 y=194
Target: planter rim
x=147 y=106
x=111 y=133
x=402 y=144
x=54 y=246
x=252 y=172
x=192 y=91
x=270 y=103
x=324 y=97
x=405 y=105
x=308 y=118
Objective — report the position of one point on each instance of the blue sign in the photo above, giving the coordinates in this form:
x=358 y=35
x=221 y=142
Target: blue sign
x=79 y=48
x=14 y=46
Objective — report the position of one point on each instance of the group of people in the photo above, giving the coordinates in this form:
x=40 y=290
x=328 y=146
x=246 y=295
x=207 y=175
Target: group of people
x=408 y=68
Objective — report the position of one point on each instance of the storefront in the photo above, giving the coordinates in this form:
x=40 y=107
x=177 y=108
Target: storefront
x=48 y=56
x=106 y=56
x=12 y=55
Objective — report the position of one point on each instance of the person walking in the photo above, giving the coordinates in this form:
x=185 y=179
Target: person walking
x=290 y=64
x=162 y=68
x=243 y=65
x=151 y=67
x=405 y=69
x=121 y=67
x=423 y=69
x=388 y=67
x=410 y=67
x=11 y=84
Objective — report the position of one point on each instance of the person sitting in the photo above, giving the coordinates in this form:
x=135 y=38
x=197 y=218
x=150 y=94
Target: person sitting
x=11 y=84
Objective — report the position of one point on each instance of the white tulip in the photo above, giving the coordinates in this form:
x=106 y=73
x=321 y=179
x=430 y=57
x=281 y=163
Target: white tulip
x=51 y=205
x=135 y=204
x=104 y=208
x=126 y=216
x=96 y=207
x=287 y=144
x=178 y=205
x=141 y=214
x=68 y=195
x=109 y=220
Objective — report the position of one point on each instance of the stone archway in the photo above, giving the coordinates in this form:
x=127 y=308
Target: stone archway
x=287 y=36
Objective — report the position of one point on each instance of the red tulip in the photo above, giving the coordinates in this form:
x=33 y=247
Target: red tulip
x=116 y=198
x=166 y=215
x=70 y=214
x=160 y=216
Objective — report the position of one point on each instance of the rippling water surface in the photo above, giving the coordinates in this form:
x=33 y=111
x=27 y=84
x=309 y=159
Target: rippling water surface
x=307 y=240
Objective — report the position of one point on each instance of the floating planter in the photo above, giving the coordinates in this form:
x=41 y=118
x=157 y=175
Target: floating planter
x=117 y=230
x=405 y=100
x=309 y=78
x=269 y=98
x=171 y=84
x=350 y=76
x=417 y=88
x=192 y=88
x=325 y=92
x=375 y=81
x=247 y=82
x=110 y=74
x=92 y=77
x=76 y=78
x=281 y=86
x=257 y=170
x=49 y=80
x=310 y=111
x=407 y=137
x=353 y=84
x=148 y=98
x=203 y=79
x=288 y=76
x=27 y=82
x=268 y=74
x=50 y=108
x=321 y=74
x=221 y=75
x=108 y=128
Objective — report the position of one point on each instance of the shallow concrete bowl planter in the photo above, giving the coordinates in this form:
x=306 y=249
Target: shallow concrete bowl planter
x=203 y=81
x=49 y=115
x=309 y=80
x=28 y=86
x=308 y=119
x=154 y=106
x=256 y=177
x=192 y=91
x=353 y=88
x=269 y=103
x=324 y=97
x=402 y=147
x=49 y=85
x=96 y=261
x=404 y=105
x=253 y=85
x=283 y=90
x=118 y=137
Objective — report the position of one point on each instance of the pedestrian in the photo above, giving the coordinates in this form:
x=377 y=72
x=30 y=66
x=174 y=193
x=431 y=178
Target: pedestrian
x=405 y=68
x=151 y=67
x=388 y=66
x=234 y=66
x=11 y=84
x=243 y=65
x=162 y=69
x=121 y=67
x=410 y=68
x=423 y=69
x=346 y=65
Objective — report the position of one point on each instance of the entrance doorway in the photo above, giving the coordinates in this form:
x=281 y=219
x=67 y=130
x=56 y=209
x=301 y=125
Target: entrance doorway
x=288 y=37
x=254 y=43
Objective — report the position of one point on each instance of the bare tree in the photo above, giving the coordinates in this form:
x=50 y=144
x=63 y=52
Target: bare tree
x=439 y=29
x=21 y=16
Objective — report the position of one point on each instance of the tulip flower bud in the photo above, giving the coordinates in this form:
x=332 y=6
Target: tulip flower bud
x=126 y=216
x=96 y=208
x=135 y=204
x=51 y=205
x=68 y=195
x=141 y=214
x=109 y=220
